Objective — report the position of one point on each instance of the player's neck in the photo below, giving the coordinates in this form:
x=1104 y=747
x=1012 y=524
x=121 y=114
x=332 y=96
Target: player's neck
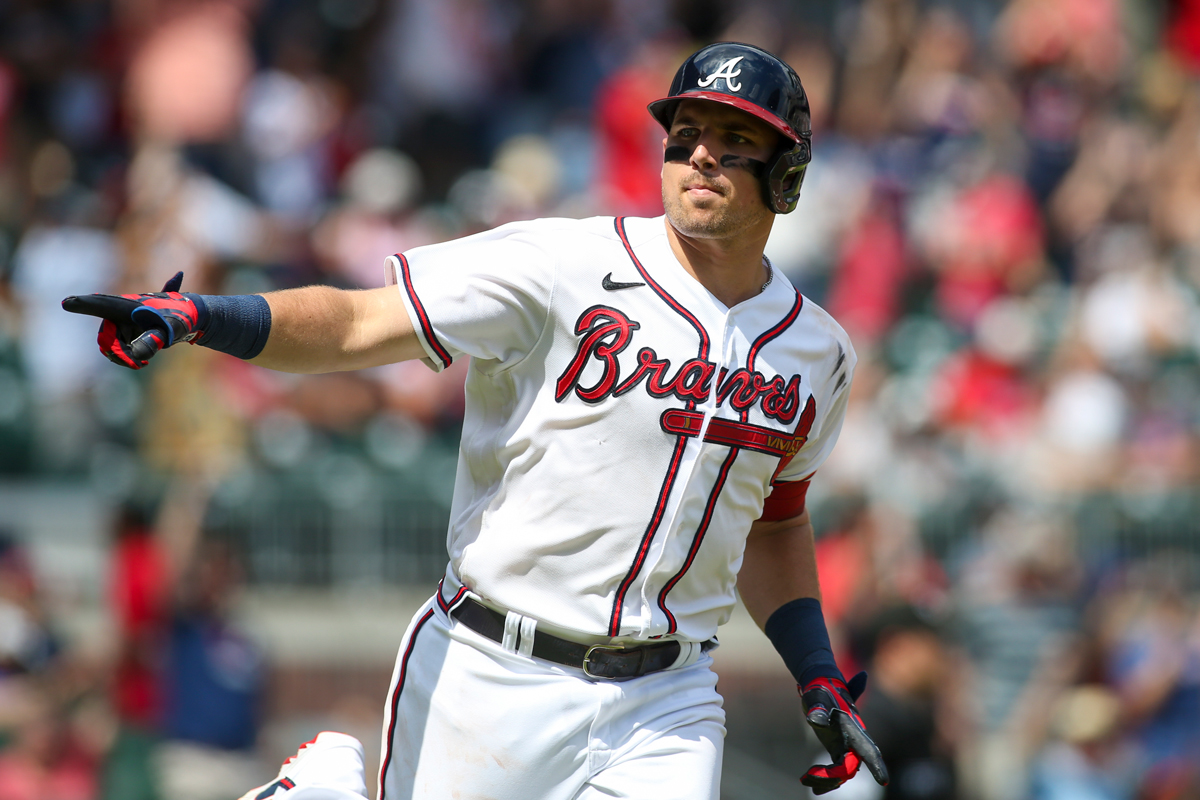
x=732 y=269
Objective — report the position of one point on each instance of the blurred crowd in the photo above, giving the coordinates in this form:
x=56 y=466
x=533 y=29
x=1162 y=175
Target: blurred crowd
x=1003 y=211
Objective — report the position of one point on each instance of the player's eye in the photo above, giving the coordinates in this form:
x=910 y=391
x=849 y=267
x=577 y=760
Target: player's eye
x=686 y=132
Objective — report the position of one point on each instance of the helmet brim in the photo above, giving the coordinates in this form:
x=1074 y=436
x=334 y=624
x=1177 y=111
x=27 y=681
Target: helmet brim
x=664 y=110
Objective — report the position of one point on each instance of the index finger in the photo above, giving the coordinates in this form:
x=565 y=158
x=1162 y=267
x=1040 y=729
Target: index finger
x=105 y=306
x=867 y=751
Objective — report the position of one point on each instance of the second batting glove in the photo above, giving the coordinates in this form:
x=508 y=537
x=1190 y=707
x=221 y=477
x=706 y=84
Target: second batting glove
x=829 y=709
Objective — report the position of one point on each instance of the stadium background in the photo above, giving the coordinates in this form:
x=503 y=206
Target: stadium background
x=204 y=563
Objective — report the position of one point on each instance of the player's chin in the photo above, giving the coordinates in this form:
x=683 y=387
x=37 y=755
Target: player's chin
x=704 y=218
x=703 y=209
x=701 y=226
x=705 y=206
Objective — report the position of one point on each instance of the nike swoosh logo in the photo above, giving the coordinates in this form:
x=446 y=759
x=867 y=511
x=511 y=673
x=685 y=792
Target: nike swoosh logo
x=612 y=286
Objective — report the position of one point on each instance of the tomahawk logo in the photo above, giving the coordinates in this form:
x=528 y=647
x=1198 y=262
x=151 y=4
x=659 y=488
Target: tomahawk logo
x=726 y=71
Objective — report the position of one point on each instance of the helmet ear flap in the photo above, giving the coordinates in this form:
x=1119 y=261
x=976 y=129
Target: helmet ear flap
x=784 y=175
x=804 y=149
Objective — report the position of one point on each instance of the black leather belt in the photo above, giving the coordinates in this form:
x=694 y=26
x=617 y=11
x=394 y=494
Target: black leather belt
x=597 y=660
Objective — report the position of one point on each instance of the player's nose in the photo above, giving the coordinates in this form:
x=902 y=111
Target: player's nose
x=702 y=158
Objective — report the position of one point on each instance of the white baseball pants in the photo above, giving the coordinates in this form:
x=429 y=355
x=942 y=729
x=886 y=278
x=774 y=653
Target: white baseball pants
x=468 y=719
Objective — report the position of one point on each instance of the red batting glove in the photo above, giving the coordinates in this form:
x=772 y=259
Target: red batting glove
x=136 y=326
x=829 y=709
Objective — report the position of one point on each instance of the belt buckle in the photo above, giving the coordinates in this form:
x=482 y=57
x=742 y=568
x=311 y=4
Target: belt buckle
x=588 y=656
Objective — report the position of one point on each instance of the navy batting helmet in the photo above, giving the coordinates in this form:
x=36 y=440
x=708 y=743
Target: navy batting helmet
x=751 y=79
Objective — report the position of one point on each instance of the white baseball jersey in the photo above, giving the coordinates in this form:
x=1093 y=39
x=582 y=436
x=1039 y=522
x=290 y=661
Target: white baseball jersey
x=623 y=428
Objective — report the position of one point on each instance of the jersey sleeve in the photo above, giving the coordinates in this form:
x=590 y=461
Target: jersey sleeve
x=790 y=485
x=486 y=296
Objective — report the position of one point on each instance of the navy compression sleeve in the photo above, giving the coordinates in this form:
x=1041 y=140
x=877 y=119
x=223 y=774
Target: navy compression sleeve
x=797 y=629
x=234 y=324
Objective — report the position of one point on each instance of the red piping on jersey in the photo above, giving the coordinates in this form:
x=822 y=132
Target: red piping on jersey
x=701 y=529
x=770 y=334
x=807 y=418
x=447 y=606
x=394 y=705
x=614 y=624
x=453 y=600
x=619 y=224
x=422 y=317
x=728 y=429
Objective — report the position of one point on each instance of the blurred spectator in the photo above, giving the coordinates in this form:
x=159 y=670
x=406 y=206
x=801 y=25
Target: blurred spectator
x=287 y=121
x=982 y=240
x=1084 y=416
x=1152 y=638
x=871 y=561
x=27 y=644
x=1083 y=36
x=184 y=673
x=1086 y=758
x=1017 y=617
x=180 y=218
x=139 y=593
x=67 y=250
x=185 y=79
x=1135 y=311
x=865 y=295
x=379 y=191
x=630 y=140
x=439 y=66
x=213 y=675
x=522 y=181
x=911 y=695
x=47 y=748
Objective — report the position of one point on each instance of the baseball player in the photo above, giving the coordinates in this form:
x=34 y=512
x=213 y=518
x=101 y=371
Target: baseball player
x=646 y=402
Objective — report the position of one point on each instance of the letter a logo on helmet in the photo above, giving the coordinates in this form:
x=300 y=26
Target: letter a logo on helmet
x=766 y=88
x=727 y=72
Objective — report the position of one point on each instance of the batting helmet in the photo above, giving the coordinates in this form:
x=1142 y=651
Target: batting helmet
x=751 y=79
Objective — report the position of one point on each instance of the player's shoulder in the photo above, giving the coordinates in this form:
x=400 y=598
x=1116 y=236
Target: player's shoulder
x=819 y=317
x=818 y=327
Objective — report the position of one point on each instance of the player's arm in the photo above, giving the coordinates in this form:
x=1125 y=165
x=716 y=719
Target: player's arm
x=314 y=329
x=779 y=585
x=780 y=565
x=322 y=329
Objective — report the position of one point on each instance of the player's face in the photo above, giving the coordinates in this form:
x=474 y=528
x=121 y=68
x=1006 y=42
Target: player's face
x=713 y=158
